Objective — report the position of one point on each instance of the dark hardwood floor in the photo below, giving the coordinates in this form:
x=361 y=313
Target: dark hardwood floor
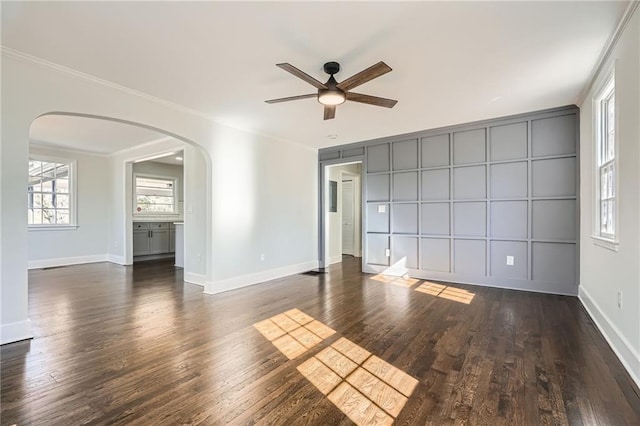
x=134 y=345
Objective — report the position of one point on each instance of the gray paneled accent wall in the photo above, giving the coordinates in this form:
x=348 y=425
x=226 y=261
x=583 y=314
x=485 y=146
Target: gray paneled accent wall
x=453 y=204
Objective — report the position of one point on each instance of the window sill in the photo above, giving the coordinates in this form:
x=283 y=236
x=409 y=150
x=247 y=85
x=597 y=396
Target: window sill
x=605 y=243
x=52 y=227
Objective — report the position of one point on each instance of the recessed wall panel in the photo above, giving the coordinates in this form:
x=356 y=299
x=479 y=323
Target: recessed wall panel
x=378 y=217
x=509 y=180
x=405 y=219
x=516 y=249
x=509 y=219
x=376 y=249
x=554 y=178
x=553 y=136
x=404 y=252
x=470 y=219
x=554 y=262
x=469 y=147
x=405 y=186
x=354 y=152
x=508 y=142
x=435 y=185
x=435 y=151
x=405 y=155
x=470 y=257
x=554 y=219
x=378 y=158
x=378 y=187
x=469 y=183
x=435 y=219
x=435 y=254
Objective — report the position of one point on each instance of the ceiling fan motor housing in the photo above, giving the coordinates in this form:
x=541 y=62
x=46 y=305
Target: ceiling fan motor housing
x=332 y=68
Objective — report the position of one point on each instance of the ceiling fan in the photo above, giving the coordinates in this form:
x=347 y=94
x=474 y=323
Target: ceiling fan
x=332 y=93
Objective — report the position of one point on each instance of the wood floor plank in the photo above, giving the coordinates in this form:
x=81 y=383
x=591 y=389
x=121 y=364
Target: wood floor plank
x=136 y=346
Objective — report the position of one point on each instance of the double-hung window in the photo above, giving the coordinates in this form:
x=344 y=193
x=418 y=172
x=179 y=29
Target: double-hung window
x=154 y=195
x=51 y=193
x=606 y=200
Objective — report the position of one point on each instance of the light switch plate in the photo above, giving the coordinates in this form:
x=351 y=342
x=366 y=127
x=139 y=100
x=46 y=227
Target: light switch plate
x=382 y=208
x=387 y=252
x=509 y=260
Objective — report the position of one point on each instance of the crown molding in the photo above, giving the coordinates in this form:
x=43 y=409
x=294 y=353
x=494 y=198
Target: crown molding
x=39 y=144
x=608 y=50
x=52 y=66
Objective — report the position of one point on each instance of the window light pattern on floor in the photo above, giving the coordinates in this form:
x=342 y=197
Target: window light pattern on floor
x=395 y=280
x=367 y=389
x=446 y=292
x=293 y=332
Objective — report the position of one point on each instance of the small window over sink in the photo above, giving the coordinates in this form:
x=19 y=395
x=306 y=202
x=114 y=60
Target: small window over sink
x=154 y=195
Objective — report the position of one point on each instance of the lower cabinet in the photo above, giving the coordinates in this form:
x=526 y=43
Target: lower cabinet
x=153 y=238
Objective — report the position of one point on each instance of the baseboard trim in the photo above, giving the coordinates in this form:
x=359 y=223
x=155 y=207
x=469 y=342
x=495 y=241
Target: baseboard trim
x=193 y=278
x=627 y=355
x=116 y=259
x=66 y=261
x=335 y=259
x=234 y=283
x=15 y=331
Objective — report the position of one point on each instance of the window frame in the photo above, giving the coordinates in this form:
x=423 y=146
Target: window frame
x=153 y=214
x=602 y=161
x=73 y=196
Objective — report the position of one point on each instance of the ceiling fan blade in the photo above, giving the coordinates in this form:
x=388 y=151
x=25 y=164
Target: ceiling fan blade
x=329 y=112
x=362 y=77
x=291 y=98
x=302 y=75
x=371 y=100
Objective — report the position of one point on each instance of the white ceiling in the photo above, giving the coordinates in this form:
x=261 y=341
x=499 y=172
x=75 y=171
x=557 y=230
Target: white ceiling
x=171 y=159
x=89 y=134
x=453 y=62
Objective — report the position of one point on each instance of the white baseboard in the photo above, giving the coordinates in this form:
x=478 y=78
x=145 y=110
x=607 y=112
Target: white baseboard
x=15 y=331
x=65 y=261
x=192 y=278
x=335 y=259
x=628 y=356
x=258 y=277
x=116 y=259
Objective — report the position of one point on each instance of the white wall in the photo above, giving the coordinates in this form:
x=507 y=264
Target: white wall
x=604 y=272
x=259 y=193
x=89 y=241
x=335 y=218
x=264 y=203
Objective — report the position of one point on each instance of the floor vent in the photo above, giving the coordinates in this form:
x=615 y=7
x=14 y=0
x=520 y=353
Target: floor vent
x=314 y=272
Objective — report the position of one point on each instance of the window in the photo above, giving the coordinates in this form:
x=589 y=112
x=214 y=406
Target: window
x=154 y=195
x=606 y=162
x=50 y=193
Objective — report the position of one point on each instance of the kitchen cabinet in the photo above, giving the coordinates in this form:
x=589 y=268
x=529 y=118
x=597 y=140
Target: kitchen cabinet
x=152 y=238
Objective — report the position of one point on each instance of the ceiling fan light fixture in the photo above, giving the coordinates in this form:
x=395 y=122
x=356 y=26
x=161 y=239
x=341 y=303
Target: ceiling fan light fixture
x=331 y=97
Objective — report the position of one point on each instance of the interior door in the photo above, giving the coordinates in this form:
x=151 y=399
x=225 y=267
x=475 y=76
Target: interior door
x=347 y=217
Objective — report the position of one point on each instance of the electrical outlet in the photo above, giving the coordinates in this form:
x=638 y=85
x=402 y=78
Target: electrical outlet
x=387 y=252
x=262 y=257
x=509 y=260
x=619 y=299
x=382 y=208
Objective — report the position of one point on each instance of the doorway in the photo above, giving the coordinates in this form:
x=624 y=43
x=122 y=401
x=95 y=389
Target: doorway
x=343 y=213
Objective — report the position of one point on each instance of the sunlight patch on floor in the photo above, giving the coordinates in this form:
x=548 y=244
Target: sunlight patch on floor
x=395 y=280
x=446 y=292
x=293 y=332
x=367 y=389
